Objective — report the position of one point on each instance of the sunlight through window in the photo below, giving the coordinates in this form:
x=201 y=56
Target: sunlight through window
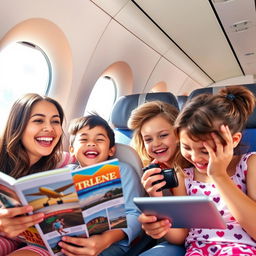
x=102 y=97
x=23 y=68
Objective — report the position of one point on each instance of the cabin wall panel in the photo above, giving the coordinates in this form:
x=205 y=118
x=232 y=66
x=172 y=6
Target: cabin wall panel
x=168 y=73
x=177 y=82
x=111 y=7
x=188 y=86
x=248 y=79
x=188 y=66
x=136 y=22
x=142 y=27
x=52 y=40
x=75 y=22
x=118 y=44
x=197 y=33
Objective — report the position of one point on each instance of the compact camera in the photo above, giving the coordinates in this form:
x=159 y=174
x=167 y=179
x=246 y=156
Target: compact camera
x=169 y=176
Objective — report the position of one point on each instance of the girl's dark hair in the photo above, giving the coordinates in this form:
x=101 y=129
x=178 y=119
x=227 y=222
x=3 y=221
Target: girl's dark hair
x=205 y=113
x=91 y=121
x=14 y=159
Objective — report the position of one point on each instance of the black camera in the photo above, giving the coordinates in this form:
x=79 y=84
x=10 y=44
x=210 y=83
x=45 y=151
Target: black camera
x=169 y=176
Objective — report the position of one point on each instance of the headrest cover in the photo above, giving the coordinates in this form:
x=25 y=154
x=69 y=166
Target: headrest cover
x=125 y=104
x=182 y=99
x=200 y=91
x=251 y=123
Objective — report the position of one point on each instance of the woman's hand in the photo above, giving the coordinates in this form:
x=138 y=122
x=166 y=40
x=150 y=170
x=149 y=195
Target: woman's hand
x=154 y=228
x=150 y=176
x=13 y=221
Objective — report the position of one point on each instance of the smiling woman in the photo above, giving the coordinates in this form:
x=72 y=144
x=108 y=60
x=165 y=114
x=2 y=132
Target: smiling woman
x=29 y=117
x=32 y=142
x=43 y=131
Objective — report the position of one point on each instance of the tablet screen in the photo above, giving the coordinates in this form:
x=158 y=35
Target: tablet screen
x=183 y=211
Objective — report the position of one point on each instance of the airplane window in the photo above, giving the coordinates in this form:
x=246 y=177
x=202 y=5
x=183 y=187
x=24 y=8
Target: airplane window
x=102 y=97
x=24 y=68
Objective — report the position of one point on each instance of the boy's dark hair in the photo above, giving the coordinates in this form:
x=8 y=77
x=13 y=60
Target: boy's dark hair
x=92 y=121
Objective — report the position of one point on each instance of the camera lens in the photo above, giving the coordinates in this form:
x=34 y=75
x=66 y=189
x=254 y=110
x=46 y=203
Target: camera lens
x=169 y=176
x=150 y=167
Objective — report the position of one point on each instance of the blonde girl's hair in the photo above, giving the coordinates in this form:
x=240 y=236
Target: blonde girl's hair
x=144 y=113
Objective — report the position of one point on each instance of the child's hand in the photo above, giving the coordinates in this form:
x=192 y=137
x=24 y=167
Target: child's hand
x=220 y=155
x=148 y=178
x=13 y=221
x=152 y=227
x=92 y=246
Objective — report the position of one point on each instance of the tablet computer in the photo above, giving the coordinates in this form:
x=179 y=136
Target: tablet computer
x=183 y=211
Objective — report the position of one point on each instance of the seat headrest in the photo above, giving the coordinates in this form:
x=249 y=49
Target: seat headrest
x=125 y=104
x=251 y=123
x=182 y=99
x=127 y=154
x=208 y=90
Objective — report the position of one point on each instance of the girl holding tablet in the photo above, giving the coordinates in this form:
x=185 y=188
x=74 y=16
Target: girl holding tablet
x=210 y=129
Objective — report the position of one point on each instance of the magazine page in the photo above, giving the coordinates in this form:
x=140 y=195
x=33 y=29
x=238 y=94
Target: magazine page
x=100 y=195
x=32 y=237
x=9 y=199
x=8 y=196
x=55 y=196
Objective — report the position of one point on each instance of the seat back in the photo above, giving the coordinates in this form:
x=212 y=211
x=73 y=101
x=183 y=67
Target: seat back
x=182 y=99
x=125 y=104
x=249 y=133
x=208 y=90
x=127 y=154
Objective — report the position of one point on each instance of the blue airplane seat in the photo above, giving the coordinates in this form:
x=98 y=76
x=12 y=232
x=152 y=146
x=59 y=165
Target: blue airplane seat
x=182 y=99
x=208 y=90
x=249 y=133
x=248 y=143
x=125 y=104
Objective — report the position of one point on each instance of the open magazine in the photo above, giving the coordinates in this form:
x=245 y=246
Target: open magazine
x=80 y=202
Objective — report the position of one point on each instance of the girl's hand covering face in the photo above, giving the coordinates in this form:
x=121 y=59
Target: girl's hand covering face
x=220 y=154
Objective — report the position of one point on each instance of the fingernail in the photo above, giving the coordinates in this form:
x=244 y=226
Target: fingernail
x=29 y=208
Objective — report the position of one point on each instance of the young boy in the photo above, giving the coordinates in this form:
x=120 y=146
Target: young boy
x=93 y=141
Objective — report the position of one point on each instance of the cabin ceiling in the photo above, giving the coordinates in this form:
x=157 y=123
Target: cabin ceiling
x=186 y=43
x=221 y=41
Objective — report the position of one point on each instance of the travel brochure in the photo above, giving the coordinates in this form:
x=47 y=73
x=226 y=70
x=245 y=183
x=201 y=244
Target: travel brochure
x=79 y=203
